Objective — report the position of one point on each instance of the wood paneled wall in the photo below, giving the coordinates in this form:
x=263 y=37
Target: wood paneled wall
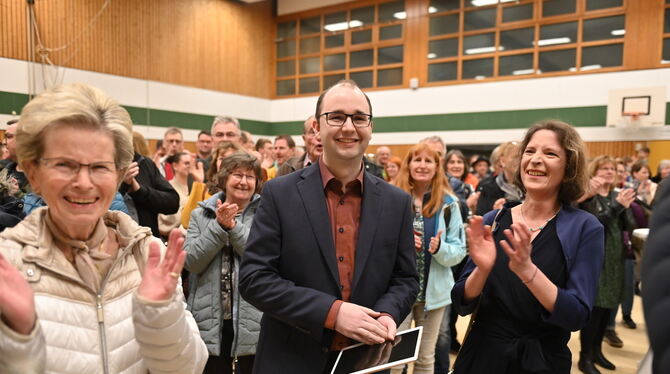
x=212 y=44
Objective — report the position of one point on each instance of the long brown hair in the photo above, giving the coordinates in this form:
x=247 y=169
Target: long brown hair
x=439 y=186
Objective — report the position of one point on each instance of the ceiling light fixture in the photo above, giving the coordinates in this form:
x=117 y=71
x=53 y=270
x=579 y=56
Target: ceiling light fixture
x=475 y=51
x=553 y=41
x=523 y=72
x=339 y=26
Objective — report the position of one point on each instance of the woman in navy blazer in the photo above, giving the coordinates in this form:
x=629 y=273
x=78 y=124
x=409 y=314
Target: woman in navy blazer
x=534 y=266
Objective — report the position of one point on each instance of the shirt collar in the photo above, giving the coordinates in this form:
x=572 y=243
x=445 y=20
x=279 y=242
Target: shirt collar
x=327 y=176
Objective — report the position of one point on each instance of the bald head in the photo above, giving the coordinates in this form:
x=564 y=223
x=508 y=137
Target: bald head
x=383 y=155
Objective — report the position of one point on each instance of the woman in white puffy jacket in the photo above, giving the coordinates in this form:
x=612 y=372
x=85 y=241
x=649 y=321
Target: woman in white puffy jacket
x=83 y=289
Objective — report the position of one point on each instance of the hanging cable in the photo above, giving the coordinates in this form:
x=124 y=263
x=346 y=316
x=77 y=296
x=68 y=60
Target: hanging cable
x=51 y=79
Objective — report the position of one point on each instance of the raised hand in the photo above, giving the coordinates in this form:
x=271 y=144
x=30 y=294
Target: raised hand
x=435 y=242
x=481 y=245
x=518 y=248
x=160 y=277
x=498 y=204
x=360 y=323
x=625 y=197
x=197 y=169
x=225 y=214
x=595 y=184
x=129 y=177
x=17 y=303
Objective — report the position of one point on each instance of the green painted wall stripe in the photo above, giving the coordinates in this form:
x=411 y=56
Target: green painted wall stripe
x=10 y=101
x=509 y=119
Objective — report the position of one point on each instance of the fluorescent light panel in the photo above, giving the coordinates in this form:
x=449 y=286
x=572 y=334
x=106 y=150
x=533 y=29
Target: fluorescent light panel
x=475 y=51
x=553 y=41
x=618 y=32
x=400 y=15
x=523 y=72
x=488 y=2
x=342 y=25
x=590 y=67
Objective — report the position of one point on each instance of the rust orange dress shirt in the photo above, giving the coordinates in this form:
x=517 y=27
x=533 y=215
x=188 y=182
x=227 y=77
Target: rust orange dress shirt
x=344 y=210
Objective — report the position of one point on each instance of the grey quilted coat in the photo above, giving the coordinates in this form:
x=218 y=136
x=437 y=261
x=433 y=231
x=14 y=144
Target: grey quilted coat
x=204 y=240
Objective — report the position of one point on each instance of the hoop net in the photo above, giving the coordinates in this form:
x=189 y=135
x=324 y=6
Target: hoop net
x=630 y=121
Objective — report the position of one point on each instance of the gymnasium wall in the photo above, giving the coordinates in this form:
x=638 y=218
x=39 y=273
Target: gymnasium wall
x=225 y=45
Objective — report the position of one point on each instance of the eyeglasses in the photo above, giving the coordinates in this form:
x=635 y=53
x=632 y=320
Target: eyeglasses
x=229 y=134
x=337 y=119
x=68 y=168
x=240 y=177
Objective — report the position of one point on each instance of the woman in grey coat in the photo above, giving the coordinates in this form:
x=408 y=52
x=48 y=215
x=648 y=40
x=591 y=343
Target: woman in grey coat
x=215 y=241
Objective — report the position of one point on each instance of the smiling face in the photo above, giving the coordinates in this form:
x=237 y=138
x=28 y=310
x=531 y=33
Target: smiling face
x=313 y=144
x=481 y=168
x=204 y=144
x=455 y=166
x=347 y=143
x=543 y=164
x=642 y=175
x=383 y=155
x=183 y=166
x=282 y=151
x=607 y=172
x=392 y=170
x=225 y=131
x=173 y=143
x=422 y=168
x=240 y=185
x=76 y=202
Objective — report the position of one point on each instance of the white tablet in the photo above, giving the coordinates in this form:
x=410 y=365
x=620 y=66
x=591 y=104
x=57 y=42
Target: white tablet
x=362 y=358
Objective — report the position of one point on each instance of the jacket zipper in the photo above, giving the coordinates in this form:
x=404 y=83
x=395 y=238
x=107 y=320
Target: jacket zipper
x=101 y=315
x=102 y=335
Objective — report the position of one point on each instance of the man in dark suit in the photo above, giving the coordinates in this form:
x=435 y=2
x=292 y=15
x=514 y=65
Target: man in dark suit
x=330 y=258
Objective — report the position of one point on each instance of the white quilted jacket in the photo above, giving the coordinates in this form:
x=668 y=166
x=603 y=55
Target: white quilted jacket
x=81 y=332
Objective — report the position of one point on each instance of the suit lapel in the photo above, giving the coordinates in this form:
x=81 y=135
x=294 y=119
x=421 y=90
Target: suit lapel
x=314 y=201
x=370 y=214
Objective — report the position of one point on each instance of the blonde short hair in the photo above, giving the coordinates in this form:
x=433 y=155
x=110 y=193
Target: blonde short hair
x=77 y=105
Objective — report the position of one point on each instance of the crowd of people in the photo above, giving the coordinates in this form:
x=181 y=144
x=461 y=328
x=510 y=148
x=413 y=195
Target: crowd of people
x=265 y=257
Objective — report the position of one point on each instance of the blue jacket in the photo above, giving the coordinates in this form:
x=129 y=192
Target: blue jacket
x=582 y=239
x=450 y=253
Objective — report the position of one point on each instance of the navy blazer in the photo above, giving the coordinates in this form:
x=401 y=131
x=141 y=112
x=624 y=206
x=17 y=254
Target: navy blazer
x=289 y=269
x=582 y=239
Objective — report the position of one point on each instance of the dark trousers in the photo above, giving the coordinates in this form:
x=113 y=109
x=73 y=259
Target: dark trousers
x=223 y=364
x=591 y=336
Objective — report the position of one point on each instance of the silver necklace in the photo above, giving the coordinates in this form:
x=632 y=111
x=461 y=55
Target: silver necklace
x=538 y=228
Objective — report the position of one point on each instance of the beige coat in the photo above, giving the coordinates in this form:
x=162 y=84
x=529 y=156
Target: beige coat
x=80 y=331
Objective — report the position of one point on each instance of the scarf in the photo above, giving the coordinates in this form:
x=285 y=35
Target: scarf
x=90 y=259
x=512 y=192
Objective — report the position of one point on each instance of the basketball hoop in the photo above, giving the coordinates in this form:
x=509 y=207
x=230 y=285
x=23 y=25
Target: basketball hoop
x=632 y=119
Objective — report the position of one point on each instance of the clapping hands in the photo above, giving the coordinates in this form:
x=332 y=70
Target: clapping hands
x=481 y=245
x=17 y=303
x=225 y=214
x=160 y=277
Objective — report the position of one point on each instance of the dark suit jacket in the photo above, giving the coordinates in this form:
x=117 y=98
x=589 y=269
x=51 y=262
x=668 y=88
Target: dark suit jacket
x=655 y=269
x=289 y=269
